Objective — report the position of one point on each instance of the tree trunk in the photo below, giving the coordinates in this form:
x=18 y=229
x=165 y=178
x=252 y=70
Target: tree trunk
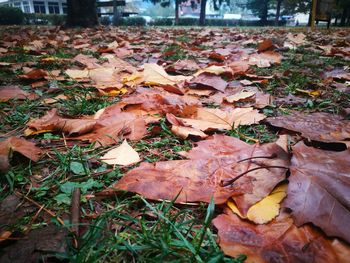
x=177 y=3
x=264 y=12
x=202 y=13
x=82 y=13
x=116 y=13
x=278 y=11
x=343 y=17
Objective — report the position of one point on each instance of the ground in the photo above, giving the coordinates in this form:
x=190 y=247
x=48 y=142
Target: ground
x=303 y=71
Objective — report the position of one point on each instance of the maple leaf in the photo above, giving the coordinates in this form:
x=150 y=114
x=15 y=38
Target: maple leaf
x=213 y=162
x=318 y=126
x=277 y=241
x=319 y=189
x=14 y=144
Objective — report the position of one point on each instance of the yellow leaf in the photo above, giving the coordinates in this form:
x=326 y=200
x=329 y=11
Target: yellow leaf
x=154 y=74
x=312 y=93
x=122 y=155
x=29 y=131
x=234 y=208
x=266 y=209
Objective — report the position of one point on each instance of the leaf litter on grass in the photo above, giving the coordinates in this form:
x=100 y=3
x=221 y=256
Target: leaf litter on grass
x=275 y=200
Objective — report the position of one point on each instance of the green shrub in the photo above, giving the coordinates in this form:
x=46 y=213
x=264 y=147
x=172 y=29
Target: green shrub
x=105 y=20
x=220 y=22
x=133 y=21
x=45 y=19
x=11 y=16
x=57 y=20
x=162 y=22
x=188 y=21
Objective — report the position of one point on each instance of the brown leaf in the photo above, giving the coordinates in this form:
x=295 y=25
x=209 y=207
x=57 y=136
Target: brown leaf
x=206 y=119
x=277 y=241
x=52 y=122
x=264 y=45
x=14 y=144
x=214 y=161
x=317 y=126
x=211 y=81
x=14 y=92
x=319 y=189
x=34 y=74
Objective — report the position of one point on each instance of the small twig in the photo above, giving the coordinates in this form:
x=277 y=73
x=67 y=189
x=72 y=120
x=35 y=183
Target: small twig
x=29 y=227
x=231 y=181
x=272 y=156
x=75 y=214
x=43 y=208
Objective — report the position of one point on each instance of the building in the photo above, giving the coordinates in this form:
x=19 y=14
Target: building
x=39 y=6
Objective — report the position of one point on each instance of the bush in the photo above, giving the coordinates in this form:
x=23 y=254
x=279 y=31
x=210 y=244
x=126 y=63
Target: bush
x=105 y=20
x=133 y=21
x=162 y=22
x=221 y=22
x=188 y=21
x=57 y=20
x=45 y=19
x=11 y=16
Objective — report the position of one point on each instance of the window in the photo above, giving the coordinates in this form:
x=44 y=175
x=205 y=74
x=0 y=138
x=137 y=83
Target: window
x=54 y=8
x=26 y=7
x=17 y=5
x=64 y=8
x=39 y=7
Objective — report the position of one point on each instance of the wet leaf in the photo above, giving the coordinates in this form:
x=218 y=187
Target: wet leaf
x=319 y=189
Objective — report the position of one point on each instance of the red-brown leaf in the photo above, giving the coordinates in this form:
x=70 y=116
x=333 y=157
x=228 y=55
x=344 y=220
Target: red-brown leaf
x=319 y=189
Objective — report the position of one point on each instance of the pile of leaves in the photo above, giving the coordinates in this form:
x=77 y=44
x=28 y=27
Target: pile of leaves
x=253 y=123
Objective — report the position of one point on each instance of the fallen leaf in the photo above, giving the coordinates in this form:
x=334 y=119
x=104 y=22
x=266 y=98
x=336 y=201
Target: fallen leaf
x=14 y=92
x=318 y=126
x=206 y=119
x=14 y=144
x=34 y=74
x=154 y=74
x=266 y=209
x=52 y=122
x=319 y=189
x=264 y=45
x=240 y=96
x=277 y=241
x=122 y=155
x=214 y=161
x=211 y=81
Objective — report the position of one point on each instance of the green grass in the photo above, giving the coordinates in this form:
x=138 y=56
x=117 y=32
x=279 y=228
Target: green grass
x=177 y=53
x=158 y=232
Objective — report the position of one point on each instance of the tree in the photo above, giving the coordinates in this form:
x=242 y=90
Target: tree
x=202 y=13
x=278 y=11
x=82 y=13
x=260 y=8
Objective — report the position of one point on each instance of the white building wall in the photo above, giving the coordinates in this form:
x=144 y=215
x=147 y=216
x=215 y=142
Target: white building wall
x=31 y=4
